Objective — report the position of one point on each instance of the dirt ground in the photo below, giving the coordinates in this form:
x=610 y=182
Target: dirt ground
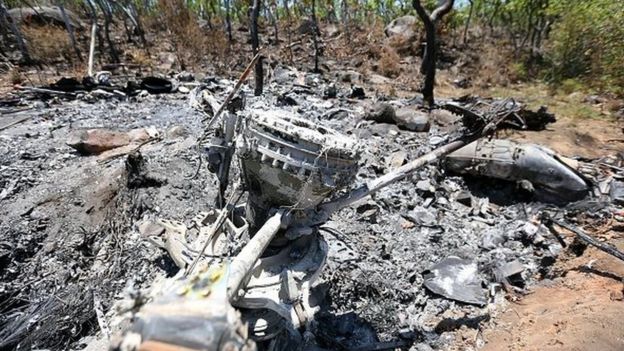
x=581 y=310
x=589 y=138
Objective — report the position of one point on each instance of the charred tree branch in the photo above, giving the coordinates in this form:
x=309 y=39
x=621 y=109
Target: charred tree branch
x=428 y=65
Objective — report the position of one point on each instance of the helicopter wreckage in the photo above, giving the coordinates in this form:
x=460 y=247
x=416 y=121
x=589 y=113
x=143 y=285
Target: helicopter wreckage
x=248 y=270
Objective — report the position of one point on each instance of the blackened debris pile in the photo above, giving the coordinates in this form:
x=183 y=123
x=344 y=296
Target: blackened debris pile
x=375 y=284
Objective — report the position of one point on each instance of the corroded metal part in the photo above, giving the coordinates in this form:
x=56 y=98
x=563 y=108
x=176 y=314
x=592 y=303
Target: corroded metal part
x=281 y=281
x=508 y=160
x=290 y=162
x=191 y=314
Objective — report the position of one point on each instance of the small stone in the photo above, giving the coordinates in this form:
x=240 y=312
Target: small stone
x=397 y=159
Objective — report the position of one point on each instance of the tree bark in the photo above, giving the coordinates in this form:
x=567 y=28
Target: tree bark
x=428 y=65
x=228 y=21
x=465 y=40
x=315 y=36
x=289 y=31
x=70 y=30
x=108 y=18
x=139 y=25
x=345 y=16
x=255 y=45
x=272 y=12
x=18 y=36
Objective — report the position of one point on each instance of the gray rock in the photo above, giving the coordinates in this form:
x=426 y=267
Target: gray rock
x=412 y=119
x=283 y=75
x=177 y=132
x=444 y=118
x=381 y=113
x=378 y=79
x=349 y=76
x=404 y=26
x=185 y=76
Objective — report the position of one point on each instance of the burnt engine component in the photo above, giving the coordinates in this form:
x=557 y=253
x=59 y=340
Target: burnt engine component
x=290 y=162
x=505 y=159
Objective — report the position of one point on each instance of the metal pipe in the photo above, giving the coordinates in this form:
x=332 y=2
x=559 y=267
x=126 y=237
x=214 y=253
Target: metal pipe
x=243 y=262
x=389 y=178
x=92 y=48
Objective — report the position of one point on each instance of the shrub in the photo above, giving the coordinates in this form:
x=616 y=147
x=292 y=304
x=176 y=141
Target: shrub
x=389 y=62
x=47 y=43
x=588 y=41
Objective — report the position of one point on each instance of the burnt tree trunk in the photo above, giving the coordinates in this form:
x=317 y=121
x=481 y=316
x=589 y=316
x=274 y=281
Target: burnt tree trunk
x=4 y=15
x=138 y=22
x=272 y=10
x=70 y=30
x=315 y=36
x=289 y=31
x=108 y=19
x=345 y=16
x=228 y=21
x=468 y=21
x=255 y=45
x=428 y=65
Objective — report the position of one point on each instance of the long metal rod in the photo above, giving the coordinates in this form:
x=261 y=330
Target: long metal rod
x=242 y=78
x=241 y=266
x=327 y=209
x=236 y=195
x=92 y=48
x=389 y=178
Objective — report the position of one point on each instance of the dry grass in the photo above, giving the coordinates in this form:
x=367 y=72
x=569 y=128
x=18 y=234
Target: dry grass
x=138 y=56
x=192 y=44
x=570 y=106
x=14 y=76
x=389 y=63
x=47 y=43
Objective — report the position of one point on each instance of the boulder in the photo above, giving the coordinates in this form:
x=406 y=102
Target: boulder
x=44 y=15
x=348 y=76
x=403 y=27
x=176 y=132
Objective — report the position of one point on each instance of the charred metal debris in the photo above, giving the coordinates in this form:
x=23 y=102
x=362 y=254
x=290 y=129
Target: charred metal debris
x=328 y=231
x=265 y=258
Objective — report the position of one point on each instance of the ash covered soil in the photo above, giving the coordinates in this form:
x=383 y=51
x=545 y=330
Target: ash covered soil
x=69 y=246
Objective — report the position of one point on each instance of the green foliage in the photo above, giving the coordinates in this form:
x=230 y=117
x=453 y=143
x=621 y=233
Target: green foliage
x=563 y=39
x=588 y=41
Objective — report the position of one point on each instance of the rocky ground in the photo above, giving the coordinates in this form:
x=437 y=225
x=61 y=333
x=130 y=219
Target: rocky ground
x=69 y=246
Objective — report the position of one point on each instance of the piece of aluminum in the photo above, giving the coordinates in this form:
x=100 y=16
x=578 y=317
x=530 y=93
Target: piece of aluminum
x=508 y=160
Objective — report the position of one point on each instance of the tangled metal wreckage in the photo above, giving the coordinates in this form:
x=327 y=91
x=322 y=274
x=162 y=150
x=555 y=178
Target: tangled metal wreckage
x=248 y=271
x=272 y=267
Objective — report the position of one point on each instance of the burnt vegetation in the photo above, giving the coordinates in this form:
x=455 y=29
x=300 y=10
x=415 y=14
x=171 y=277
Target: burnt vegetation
x=385 y=143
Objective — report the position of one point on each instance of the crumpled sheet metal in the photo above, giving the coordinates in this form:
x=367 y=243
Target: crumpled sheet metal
x=193 y=313
x=456 y=279
x=508 y=160
x=289 y=161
